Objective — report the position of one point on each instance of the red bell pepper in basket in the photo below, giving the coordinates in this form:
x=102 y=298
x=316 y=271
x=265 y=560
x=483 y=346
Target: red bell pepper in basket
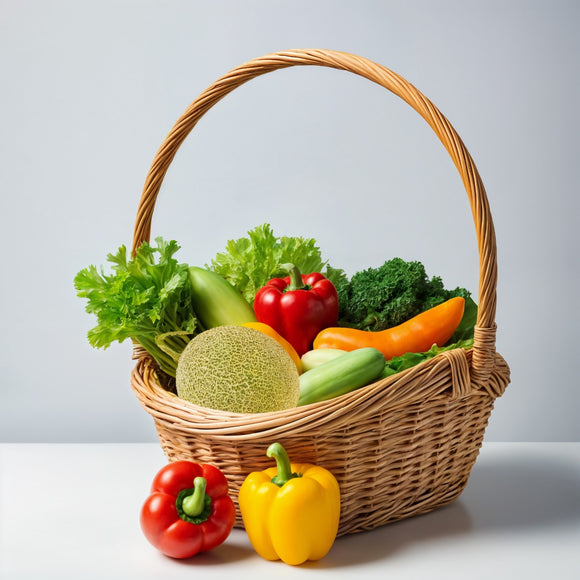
x=298 y=307
x=189 y=509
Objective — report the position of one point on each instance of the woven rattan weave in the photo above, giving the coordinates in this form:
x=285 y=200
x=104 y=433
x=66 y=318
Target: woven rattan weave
x=399 y=447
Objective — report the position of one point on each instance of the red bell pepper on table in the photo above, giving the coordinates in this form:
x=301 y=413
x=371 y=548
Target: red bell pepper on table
x=189 y=509
x=298 y=307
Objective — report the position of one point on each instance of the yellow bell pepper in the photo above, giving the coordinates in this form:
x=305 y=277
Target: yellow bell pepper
x=290 y=511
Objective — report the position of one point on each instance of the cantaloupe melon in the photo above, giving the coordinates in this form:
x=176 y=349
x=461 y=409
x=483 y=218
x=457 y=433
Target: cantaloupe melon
x=237 y=369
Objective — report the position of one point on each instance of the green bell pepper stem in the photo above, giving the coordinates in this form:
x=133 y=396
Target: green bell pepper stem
x=295 y=277
x=194 y=504
x=282 y=464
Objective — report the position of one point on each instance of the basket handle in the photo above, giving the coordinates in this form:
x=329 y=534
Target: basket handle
x=484 y=339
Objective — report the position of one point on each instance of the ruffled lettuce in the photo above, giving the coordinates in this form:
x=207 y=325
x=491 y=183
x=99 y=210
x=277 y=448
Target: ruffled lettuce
x=249 y=262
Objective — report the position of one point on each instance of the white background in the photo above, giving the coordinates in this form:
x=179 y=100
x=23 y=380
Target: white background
x=90 y=89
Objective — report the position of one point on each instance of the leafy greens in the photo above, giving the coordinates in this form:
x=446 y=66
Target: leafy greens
x=248 y=263
x=144 y=299
x=411 y=359
x=378 y=298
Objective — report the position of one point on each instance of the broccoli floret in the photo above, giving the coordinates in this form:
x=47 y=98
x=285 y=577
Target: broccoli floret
x=383 y=297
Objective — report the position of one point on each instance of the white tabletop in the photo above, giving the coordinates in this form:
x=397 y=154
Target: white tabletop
x=71 y=511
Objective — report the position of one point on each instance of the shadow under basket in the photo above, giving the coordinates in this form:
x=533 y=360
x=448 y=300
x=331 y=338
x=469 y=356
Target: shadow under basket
x=399 y=447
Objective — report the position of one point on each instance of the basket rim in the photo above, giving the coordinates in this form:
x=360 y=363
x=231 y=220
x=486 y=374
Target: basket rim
x=422 y=384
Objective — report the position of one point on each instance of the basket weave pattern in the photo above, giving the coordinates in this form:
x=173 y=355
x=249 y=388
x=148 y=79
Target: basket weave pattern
x=400 y=447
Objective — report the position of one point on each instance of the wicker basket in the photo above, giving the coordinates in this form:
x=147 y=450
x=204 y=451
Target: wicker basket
x=400 y=447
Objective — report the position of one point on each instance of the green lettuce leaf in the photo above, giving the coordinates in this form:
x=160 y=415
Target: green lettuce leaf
x=248 y=263
x=410 y=359
x=146 y=298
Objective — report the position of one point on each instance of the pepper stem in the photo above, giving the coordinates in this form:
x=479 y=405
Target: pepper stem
x=282 y=463
x=295 y=277
x=194 y=504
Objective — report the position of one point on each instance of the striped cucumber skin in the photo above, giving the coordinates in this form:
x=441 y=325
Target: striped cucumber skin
x=341 y=375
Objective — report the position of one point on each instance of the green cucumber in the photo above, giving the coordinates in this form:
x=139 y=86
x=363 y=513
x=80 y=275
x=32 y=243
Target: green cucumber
x=318 y=356
x=216 y=302
x=341 y=375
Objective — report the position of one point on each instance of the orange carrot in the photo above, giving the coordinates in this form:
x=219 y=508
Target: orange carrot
x=418 y=334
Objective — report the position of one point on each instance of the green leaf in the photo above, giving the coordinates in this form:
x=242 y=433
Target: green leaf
x=142 y=297
x=411 y=359
x=467 y=325
x=248 y=263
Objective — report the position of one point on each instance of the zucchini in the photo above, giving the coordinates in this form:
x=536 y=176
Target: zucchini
x=341 y=375
x=216 y=302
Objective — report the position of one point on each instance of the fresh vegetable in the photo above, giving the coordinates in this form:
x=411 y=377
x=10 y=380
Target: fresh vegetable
x=298 y=306
x=419 y=334
x=317 y=356
x=269 y=331
x=341 y=375
x=248 y=263
x=467 y=325
x=410 y=359
x=291 y=511
x=189 y=509
x=379 y=298
x=162 y=304
x=216 y=301
x=239 y=370
x=143 y=299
